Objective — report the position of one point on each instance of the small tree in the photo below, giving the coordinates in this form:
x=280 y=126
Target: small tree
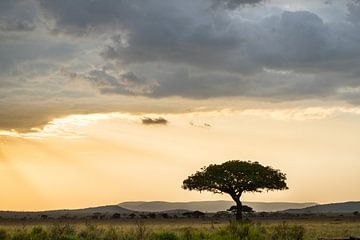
x=245 y=209
x=116 y=216
x=234 y=178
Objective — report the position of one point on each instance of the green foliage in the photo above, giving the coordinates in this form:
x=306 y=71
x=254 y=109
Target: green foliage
x=164 y=236
x=187 y=234
x=38 y=233
x=62 y=232
x=232 y=231
x=245 y=208
x=20 y=235
x=91 y=232
x=112 y=234
x=3 y=234
x=141 y=231
x=234 y=177
x=244 y=231
x=286 y=232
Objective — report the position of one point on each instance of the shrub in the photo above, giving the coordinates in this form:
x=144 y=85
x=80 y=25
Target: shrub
x=286 y=232
x=62 y=232
x=38 y=233
x=164 y=236
x=140 y=231
x=20 y=235
x=112 y=234
x=244 y=231
x=187 y=234
x=91 y=232
x=3 y=234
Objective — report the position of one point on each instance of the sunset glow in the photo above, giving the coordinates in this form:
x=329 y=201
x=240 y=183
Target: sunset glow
x=107 y=101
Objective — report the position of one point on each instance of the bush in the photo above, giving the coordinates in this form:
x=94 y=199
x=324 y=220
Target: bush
x=243 y=231
x=140 y=231
x=286 y=232
x=3 y=234
x=38 y=233
x=164 y=236
x=112 y=234
x=91 y=232
x=20 y=235
x=62 y=232
x=232 y=231
x=187 y=234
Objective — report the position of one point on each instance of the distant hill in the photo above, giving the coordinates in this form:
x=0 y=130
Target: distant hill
x=73 y=213
x=209 y=206
x=138 y=208
x=345 y=207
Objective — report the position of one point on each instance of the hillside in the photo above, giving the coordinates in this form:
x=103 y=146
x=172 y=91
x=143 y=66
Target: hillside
x=345 y=207
x=68 y=213
x=127 y=208
x=209 y=206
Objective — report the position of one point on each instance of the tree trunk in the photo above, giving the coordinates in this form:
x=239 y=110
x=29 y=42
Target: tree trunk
x=238 y=210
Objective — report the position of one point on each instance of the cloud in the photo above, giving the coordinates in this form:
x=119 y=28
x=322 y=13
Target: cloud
x=82 y=16
x=126 y=83
x=17 y=15
x=154 y=121
x=119 y=54
x=15 y=25
x=16 y=52
x=354 y=12
x=203 y=125
x=67 y=127
x=73 y=126
x=220 y=56
x=294 y=40
x=236 y=3
x=190 y=49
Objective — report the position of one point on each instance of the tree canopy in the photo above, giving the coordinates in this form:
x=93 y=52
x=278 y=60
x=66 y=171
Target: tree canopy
x=235 y=177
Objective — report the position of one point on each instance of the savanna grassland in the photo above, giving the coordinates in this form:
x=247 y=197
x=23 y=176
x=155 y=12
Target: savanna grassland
x=180 y=229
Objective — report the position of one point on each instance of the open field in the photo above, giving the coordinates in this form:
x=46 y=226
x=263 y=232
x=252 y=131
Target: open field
x=179 y=229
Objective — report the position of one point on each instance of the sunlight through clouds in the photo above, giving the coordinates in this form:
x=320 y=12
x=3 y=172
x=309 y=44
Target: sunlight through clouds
x=74 y=126
x=68 y=127
x=102 y=100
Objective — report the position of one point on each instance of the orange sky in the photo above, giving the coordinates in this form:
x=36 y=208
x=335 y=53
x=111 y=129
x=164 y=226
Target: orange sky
x=274 y=81
x=89 y=160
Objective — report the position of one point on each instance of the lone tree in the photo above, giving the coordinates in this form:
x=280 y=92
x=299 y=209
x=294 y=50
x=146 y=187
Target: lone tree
x=234 y=178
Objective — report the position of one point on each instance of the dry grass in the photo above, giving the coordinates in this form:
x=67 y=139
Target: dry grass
x=313 y=228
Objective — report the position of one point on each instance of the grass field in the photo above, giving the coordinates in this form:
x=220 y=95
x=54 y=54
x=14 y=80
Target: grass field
x=180 y=229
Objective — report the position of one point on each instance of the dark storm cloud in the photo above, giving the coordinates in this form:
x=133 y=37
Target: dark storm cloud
x=236 y=3
x=302 y=41
x=154 y=121
x=21 y=44
x=354 y=12
x=112 y=83
x=17 y=15
x=270 y=86
x=195 y=49
x=17 y=51
x=15 y=25
x=82 y=16
x=294 y=40
x=205 y=52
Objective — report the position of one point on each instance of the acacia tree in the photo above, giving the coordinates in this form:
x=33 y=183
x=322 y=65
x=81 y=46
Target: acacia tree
x=244 y=208
x=235 y=178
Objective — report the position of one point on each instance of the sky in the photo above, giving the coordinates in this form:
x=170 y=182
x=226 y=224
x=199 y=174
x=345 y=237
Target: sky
x=104 y=101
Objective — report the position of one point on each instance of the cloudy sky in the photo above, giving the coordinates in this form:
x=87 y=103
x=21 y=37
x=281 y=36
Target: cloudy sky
x=102 y=100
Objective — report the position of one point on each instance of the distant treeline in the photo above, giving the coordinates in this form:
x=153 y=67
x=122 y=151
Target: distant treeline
x=177 y=215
